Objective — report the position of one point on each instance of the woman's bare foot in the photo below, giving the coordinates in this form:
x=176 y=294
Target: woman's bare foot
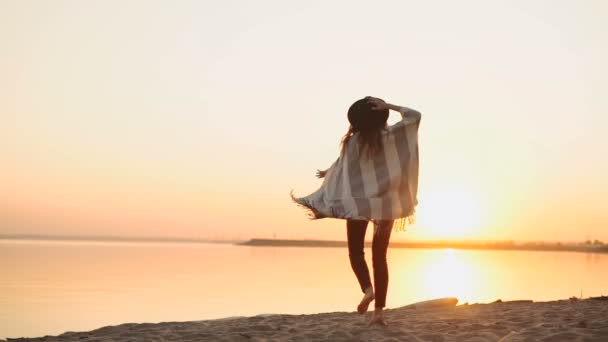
x=378 y=318
x=367 y=298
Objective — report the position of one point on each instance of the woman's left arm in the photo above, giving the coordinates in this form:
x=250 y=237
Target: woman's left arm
x=323 y=173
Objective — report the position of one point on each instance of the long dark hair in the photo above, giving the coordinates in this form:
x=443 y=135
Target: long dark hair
x=369 y=123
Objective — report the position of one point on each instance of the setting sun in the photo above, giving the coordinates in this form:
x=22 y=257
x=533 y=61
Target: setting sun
x=450 y=212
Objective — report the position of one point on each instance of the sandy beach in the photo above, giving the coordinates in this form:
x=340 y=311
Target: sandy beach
x=563 y=320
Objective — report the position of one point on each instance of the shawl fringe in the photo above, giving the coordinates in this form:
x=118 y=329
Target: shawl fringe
x=399 y=225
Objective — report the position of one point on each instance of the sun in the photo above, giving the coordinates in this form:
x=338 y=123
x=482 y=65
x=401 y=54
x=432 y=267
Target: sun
x=452 y=212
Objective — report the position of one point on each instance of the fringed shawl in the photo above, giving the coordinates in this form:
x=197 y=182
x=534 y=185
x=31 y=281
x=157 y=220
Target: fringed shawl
x=381 y=187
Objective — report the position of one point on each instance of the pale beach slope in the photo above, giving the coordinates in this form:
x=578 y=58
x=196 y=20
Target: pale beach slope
x=564 y=320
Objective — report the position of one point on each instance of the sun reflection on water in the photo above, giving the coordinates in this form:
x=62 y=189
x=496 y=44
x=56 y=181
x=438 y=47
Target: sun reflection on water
x=441 y=273
x=448 y=276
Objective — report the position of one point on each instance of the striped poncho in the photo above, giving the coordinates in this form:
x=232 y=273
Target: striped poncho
x=381 y=187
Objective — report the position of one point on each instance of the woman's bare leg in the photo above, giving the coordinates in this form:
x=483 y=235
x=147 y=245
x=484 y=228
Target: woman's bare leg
x=355 y=232
x=382 y=235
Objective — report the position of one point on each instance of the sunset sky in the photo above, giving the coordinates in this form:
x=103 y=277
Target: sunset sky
x=197 y=118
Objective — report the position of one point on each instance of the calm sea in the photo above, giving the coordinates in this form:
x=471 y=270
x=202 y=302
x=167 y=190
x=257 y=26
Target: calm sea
x=49 y=287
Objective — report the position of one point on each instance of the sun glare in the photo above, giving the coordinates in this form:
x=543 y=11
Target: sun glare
x=450 y=213
x=442 y=273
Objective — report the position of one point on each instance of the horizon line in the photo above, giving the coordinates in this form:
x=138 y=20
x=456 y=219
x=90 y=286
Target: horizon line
x=118 y=238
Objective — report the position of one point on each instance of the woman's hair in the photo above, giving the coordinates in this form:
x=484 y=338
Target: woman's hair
x=369 y=123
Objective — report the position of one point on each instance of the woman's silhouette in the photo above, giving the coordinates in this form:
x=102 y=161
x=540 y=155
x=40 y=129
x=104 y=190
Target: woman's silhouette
x=374 y=179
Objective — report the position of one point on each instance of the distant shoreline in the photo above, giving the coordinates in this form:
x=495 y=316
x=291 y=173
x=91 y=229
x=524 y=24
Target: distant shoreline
x=102 y=238
x=257 y=242
x=510 y=246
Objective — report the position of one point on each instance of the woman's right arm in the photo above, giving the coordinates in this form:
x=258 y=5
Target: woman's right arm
x=407 y=114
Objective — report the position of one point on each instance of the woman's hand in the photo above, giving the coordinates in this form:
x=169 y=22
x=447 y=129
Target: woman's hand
x=321 y=174
x=377 y=104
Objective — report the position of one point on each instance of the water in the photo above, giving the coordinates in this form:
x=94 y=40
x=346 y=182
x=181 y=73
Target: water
x=49 y=287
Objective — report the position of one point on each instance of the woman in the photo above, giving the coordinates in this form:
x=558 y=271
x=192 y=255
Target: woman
x=375 y=178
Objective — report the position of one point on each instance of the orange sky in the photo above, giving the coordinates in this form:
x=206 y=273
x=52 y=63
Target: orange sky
x=191 y=119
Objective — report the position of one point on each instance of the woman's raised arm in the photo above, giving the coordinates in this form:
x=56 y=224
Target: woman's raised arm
x=407 y=114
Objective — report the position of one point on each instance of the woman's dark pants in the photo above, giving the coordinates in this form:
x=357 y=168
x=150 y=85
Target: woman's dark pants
x=355 y=232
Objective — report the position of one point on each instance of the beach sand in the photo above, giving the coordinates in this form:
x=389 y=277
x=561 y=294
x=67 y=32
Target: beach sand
x=564 y=320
